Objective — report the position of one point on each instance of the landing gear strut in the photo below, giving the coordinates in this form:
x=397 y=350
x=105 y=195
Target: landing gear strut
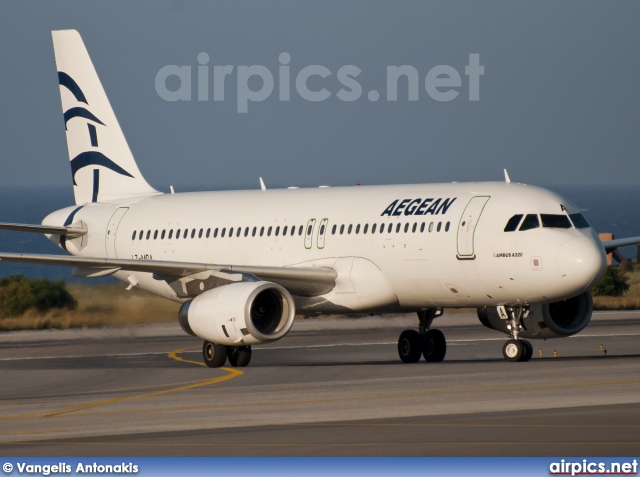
x=216 y=355
x=516 y=349
x=426 y=342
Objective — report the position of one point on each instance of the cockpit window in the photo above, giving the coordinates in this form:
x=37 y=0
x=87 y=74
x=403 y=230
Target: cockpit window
x=512 y=225
x=555 y=221
x=579 y=221
x=530 y=222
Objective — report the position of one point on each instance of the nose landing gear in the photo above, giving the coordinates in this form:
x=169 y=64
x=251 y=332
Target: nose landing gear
x=426 y=342
x=516 y=349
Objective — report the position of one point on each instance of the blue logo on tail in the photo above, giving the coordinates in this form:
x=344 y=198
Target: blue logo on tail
x=88 y=158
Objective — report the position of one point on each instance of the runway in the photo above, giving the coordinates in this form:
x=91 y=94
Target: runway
x=332 y=387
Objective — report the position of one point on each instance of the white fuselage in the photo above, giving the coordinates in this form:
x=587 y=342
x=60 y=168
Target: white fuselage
x=451 y=250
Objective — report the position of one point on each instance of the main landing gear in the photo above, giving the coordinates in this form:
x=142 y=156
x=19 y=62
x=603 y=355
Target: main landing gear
x=516 y=349
x=216 y=355
x=426 y=342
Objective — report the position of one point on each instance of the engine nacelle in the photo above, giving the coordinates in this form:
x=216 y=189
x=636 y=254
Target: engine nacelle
x=553 y=320
x=238 y=314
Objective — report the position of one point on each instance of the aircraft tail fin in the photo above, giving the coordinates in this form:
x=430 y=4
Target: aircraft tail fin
x=102 y=166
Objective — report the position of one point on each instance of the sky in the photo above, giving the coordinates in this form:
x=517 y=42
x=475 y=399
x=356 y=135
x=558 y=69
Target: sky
x=558 y=102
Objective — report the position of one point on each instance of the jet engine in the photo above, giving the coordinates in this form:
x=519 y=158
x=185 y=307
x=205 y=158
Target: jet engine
x=239 y=314
x=552 y=320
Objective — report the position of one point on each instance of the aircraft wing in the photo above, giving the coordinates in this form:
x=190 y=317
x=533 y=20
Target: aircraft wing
x=303 y=281
x=611 y=245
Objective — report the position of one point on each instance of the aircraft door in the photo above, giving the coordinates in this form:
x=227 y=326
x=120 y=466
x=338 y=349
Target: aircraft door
x=322 y=233
x=467 y=226
x=308 y=234
x=112 y=228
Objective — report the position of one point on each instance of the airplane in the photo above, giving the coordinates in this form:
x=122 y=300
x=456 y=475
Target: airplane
x=244 y=264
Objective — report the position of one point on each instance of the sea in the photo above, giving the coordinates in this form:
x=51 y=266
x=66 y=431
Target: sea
x=614 y=209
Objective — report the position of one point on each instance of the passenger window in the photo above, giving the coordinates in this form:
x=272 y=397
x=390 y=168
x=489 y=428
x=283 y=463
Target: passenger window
x=269 y=231
x=415 y=227
x=366 y=227
x=162 y=235
x=178 y=234
x=300 y=230
x=284 y=231
x=184 y=234
x=579 y=221
x=512 y=225
x=430 y=227
x=322 y=230
x=239 y=231
x=155 y=235
x=133 y=237
x=140 y=235
x=373 y=228
x=277 y=230
x=422 y=227
x=381 y=228
x=406 y=227
x=309 y=229
x=358 y=228
x=246 y=231
x=350 y=227
x=231 y=232
x=293 y=230
x=193 y=233
x=398 y=228
x=390 y=228
x=530 y=222
x=333 y=229
x=208 y=233
x=341 y=229
x=215 y=233
x=224 y=231
x=170 y=233
x=446 y=227
x=200 y=233
x=555 y=221
x=261 y=231
x=253 y=232
x=439 y=226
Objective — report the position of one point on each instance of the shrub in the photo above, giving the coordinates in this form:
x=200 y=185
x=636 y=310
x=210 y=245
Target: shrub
x=19 y=294
x=613 y=283
x=626 y=266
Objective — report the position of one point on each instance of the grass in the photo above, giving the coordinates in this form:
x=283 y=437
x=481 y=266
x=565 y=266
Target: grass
x=631 y=298
x=99 y=306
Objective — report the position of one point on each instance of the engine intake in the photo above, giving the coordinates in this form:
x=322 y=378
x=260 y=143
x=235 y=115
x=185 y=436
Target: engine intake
x=240 y=314
x=552 y=320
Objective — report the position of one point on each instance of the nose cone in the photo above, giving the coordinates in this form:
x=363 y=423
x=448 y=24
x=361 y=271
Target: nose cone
x=581 y=262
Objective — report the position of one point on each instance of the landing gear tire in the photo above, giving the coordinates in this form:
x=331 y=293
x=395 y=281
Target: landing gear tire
x=434 y=346
x=214 y=355
x=410 y=346
x=239 y=356
x=528 y=351
x=514 y=350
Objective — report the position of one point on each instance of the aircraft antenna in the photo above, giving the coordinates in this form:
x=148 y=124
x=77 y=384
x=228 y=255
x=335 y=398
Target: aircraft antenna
x=506 y=176
x=262 y=186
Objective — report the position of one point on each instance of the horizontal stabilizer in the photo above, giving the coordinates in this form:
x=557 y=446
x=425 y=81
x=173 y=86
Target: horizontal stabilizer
x=69 y=232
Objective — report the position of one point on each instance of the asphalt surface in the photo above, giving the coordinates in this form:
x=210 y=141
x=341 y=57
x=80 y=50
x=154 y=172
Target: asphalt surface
x=332 y=387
